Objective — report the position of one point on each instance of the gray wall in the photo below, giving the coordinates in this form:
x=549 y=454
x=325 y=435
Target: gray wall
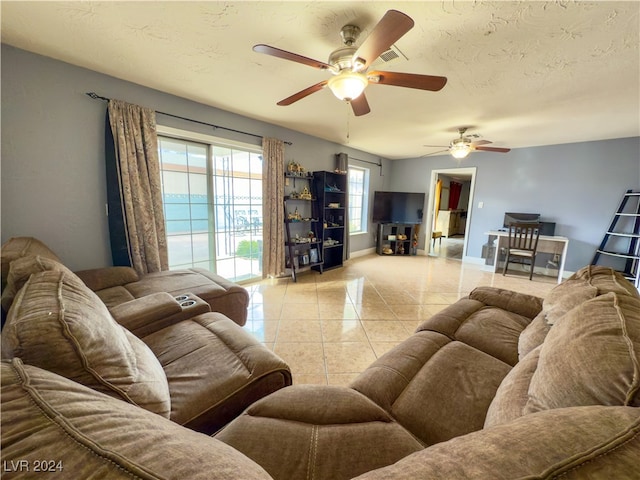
x=579 y=186
x=53 y=180
x=53 y=184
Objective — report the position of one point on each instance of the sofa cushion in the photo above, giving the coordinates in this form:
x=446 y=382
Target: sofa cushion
x=239 y=370
x=513 y=393
x=566 y=296
x=607 y=280
x=86 y=434
x=590 y=357
x=322 y=432
x=585 y=284
x=434 y=387
x=21 y=269
x=533 y=335
x=17 y=247
x=58 y=324
x=107 y=277
x=521 y=303
x=576 y=443
x=489 y=327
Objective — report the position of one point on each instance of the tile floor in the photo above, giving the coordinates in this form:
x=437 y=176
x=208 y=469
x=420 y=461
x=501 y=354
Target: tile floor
x=329 y=327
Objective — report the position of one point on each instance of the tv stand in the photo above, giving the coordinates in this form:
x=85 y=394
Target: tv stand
x=395 y=239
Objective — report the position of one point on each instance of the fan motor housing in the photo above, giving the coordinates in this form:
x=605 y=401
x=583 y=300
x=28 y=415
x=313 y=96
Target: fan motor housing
x=342 y=58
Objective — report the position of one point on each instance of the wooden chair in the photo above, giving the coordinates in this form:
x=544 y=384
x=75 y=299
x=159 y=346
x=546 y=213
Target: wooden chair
x=523 y=244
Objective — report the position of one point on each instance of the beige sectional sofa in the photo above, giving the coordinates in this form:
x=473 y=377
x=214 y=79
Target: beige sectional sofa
x=499 y=385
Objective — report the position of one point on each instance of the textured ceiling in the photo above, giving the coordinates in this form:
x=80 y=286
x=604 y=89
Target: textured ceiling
x=519 y=73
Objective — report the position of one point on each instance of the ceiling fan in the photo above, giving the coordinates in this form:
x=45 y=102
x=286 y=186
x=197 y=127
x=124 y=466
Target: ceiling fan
x=462 y=146
x=349 y=64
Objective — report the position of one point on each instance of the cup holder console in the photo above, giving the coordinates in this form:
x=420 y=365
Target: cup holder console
x=191 y=305
x=186 y=300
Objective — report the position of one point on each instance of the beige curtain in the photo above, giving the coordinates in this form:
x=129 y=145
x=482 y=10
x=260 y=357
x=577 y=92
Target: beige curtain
x=273 y=209
x=138 y=168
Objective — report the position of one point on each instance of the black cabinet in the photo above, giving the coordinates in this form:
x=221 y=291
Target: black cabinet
x=330 y=190
x=395 y=239
x=303 y=239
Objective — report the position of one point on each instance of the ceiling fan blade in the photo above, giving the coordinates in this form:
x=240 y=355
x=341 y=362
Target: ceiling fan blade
x=360 y=105
x=294 y=57
x=435 y=146
x=493 y=149
x=481 y=142
x=409 y=80
x=391 y=27
x=303 y=93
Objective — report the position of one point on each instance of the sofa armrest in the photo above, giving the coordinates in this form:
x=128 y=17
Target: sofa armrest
x=107 y=277
x=521 y=303
x=144 y=311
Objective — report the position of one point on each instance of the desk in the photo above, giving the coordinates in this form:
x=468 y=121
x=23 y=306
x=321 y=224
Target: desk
x=546 y=244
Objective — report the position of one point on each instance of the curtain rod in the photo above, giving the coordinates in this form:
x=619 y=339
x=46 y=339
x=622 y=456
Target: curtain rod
x=95 y=96
x=379 y=164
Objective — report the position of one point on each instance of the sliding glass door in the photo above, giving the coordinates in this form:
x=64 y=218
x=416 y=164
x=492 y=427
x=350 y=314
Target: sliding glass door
x=213 y=207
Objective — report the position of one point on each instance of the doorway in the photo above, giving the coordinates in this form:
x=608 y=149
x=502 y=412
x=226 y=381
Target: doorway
x=454 y=223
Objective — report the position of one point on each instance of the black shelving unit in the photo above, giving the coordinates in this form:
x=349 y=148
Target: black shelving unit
x=303 y=240
x=395 y=238
x=330 y=189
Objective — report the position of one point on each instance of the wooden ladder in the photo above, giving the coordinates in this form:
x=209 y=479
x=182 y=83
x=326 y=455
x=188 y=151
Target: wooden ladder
x=620 y=247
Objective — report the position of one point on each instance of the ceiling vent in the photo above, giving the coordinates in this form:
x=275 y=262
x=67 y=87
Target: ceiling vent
x=391 y=55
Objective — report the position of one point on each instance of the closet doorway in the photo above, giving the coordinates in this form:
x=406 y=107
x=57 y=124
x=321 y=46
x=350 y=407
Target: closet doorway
x=449 y=211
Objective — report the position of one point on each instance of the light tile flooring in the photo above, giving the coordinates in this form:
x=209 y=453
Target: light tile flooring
x=329 y=327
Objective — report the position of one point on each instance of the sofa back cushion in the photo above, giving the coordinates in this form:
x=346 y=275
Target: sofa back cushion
x=21 y=269
x=59 y=324
x=590 y=357
x=17 y=247
x=513 y=393
x=585 y=284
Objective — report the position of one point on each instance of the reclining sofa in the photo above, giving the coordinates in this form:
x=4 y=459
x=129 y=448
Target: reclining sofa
x=199 y=370
x=499 y=385
x=118 y=285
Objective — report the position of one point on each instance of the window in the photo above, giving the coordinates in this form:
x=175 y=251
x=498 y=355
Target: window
x=212 y=195
x=358 y=199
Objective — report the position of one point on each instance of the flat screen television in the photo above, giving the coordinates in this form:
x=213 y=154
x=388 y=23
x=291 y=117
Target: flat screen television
x=398 y=207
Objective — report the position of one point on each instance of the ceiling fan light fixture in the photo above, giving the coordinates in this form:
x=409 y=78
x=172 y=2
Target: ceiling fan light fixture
x=459 y=149
x=348 y=85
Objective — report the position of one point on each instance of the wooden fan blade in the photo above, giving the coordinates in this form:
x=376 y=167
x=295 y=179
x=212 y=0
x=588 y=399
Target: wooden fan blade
x=481 y=142
x=409 y=80
x=360 y=105
x=391 y=27
x=302 y=93
x=493 y=149
x=294 y=57
x=435 y=146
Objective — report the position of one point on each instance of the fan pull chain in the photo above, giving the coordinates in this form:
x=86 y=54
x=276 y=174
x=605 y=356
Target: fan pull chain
x=348 y=122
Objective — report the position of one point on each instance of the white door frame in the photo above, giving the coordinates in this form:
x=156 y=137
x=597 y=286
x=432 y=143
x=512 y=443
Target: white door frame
x=431 y=203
